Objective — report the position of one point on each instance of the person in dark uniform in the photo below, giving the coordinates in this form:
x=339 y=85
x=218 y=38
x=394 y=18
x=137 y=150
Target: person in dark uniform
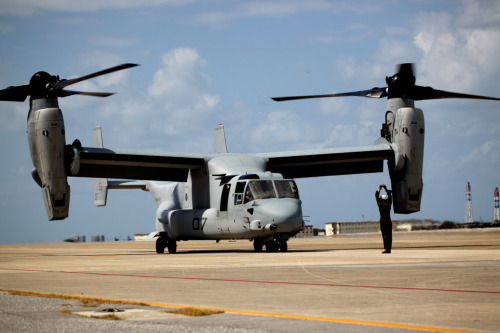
x=384 y=202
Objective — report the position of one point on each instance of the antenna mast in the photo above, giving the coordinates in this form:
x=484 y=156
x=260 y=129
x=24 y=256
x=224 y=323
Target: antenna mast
x=496 y=215
x=468 y=205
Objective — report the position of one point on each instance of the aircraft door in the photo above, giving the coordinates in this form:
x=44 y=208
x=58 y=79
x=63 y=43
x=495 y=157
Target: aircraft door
x=225 y=197
x=223 y=209
x=238 y=216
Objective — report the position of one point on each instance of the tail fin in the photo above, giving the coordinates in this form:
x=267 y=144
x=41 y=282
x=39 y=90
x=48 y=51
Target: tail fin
x=100 y=184
x=220 y=140
x=98 y=143
x=100 y=191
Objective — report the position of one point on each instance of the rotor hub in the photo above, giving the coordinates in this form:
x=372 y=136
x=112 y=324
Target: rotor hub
x=40 y=84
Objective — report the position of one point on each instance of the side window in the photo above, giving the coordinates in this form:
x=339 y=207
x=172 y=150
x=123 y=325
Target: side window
x=287 y=189
x=238 y=193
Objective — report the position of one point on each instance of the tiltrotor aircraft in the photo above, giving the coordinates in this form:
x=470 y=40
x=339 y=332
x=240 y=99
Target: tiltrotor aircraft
x=223 y=195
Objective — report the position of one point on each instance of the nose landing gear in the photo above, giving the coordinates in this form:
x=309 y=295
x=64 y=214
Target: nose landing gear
x=271 y=246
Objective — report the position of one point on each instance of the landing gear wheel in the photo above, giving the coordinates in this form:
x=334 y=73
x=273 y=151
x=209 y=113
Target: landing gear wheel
x=272 y=246
x=257 y=245
x=161 y=243
x=172 y=246
x=283 y=246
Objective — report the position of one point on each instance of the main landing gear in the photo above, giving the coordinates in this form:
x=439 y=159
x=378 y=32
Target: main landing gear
x=271 y=246
x=165 y=242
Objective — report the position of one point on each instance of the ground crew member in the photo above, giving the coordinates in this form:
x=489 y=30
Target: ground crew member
x=384 y=203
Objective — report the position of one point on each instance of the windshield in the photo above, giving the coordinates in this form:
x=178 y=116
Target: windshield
x=259 y=189
x=286 y=189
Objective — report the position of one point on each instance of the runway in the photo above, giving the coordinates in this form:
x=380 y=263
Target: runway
x=442 y=281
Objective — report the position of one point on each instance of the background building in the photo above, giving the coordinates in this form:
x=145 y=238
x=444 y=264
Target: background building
x=342 y=228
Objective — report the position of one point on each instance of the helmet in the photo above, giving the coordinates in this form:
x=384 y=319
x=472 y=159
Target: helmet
x=384 y=197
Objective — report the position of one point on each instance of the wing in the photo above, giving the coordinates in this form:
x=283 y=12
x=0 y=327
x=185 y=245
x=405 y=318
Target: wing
x=107 y=163
x=331 y=162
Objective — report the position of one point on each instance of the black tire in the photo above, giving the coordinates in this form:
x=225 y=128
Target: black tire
x=160 y=245
x=257 y=245
x=283 y=246
x=172 y=246
x=272 y=246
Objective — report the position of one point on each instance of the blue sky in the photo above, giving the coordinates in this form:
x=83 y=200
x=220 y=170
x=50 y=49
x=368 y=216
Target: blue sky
x=210 y=62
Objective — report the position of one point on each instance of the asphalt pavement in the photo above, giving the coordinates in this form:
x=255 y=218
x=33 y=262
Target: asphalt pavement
x=442 y=281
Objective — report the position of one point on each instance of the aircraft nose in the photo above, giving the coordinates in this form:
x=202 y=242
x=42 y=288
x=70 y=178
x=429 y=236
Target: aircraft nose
x=285 y=214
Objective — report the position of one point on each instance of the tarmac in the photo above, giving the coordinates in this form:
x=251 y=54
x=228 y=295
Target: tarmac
x=438 y=281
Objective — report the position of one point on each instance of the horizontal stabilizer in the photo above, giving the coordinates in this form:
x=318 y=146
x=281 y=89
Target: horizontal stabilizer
x=102 y=185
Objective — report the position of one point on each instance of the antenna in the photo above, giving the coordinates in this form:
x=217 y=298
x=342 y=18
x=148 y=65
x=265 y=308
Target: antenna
x=496 y=215
x=468 y=205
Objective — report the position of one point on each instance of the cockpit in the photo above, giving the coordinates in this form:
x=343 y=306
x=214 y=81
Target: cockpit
x=257 y=189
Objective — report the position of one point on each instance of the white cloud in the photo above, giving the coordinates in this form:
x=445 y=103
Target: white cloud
x=99 y=60
x=488 y=153
x=460 y=49
x=178 y=100
x=280 y=129
x=342 y=135
x=182 y=88
x=474 y=13
x=455 y=50
x=180 y=75
x=370 y=72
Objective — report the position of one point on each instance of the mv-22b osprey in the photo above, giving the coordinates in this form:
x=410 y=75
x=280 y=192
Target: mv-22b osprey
x=223 y=195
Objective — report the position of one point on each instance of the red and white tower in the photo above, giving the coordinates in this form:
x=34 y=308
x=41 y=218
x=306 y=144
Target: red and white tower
x=468 y=205
x=496 y=215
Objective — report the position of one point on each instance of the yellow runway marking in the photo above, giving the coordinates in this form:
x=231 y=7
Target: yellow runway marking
x=252 y=313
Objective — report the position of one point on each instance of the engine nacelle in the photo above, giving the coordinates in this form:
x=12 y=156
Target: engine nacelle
x=406 y=178
x=46 y=135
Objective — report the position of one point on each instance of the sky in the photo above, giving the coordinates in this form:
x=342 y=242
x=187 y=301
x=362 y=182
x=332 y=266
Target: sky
x=205 y=63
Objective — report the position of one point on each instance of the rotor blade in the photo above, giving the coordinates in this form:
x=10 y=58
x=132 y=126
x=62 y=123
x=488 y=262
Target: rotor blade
x=372 y=93
x=66 y=93
x=64 y=83
x=423 y=93
x=15 y=94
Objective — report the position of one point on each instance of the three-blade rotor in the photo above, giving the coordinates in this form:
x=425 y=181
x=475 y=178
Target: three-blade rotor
x=44 y=85
x=400 y=85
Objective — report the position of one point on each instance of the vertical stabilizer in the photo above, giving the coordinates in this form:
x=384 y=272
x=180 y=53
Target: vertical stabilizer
x=220 y=140
x=100 y=184
x=98 y=143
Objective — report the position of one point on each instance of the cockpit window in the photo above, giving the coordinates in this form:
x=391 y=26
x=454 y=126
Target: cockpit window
x=259 y=189
x=287 y=189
